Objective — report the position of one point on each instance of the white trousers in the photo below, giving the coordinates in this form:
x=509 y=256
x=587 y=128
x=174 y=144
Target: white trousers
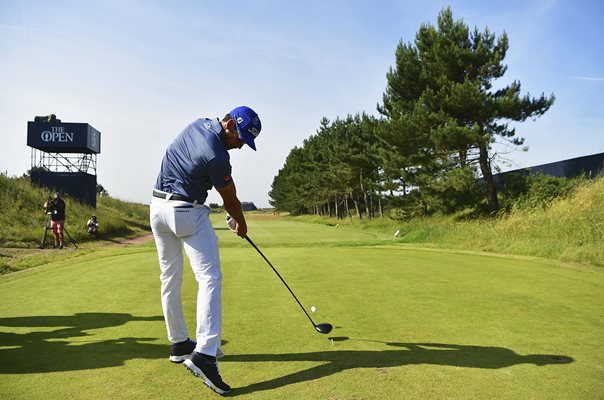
x=176 y=224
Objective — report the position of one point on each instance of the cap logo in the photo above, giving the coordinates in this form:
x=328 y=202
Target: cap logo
x=248 y=124
x=254 y=132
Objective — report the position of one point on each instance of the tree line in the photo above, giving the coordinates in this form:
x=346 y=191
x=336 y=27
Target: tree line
x=438 y=122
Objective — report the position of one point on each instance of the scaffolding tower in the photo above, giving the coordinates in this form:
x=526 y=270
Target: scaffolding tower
x=64 y=156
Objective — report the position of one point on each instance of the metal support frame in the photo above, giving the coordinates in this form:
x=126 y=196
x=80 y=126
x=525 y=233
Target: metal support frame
x=63 y=162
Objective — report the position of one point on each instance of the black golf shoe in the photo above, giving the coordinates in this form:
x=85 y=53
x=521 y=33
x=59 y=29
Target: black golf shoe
x=206 y=368
x=182 y=350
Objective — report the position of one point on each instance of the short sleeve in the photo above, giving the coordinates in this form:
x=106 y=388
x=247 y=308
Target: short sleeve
x=219 y=171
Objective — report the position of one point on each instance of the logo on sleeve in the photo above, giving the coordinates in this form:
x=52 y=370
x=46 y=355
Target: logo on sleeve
x=227 y=178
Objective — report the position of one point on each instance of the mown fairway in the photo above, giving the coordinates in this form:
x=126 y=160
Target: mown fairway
x=409 y=324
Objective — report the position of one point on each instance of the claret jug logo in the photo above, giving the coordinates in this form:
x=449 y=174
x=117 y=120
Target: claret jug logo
x=57 y=134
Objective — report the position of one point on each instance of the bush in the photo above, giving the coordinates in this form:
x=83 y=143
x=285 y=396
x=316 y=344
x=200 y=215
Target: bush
x=537 y=190
x=408 y=207
x=454 y=191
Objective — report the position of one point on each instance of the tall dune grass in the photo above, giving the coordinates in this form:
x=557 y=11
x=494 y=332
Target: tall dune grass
x=569 y=229
x=22 y=214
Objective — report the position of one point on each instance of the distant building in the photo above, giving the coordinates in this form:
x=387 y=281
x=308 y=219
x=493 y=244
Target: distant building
x=248 y=206
x=589 y=166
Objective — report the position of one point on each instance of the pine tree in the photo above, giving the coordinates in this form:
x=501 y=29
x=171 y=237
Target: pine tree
x=442 y=108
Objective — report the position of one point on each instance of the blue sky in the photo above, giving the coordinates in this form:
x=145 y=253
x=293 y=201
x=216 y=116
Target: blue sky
x=139 y=71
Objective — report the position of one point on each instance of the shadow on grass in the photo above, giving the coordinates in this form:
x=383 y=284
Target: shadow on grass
x=50 y=350
x=332 y=362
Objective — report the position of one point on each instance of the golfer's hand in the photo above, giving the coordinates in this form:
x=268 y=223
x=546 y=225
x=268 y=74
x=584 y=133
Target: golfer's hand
x=232 y=224
x=239 y=229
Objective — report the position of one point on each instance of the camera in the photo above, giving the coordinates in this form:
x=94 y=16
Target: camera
x=51 y=206
x=46 y=118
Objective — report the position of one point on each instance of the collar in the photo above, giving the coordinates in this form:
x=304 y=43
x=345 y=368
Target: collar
x=217 y=128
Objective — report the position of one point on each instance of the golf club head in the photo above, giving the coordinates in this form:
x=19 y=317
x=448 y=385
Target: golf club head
x=323 y=328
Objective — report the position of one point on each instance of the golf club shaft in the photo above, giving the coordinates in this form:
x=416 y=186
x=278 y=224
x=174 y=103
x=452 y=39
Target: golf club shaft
x=280 y=277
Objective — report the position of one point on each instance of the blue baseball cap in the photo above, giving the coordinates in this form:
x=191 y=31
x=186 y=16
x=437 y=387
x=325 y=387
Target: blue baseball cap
x=248 y=124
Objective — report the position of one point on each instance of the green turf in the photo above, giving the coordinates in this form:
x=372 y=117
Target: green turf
x=409 y=324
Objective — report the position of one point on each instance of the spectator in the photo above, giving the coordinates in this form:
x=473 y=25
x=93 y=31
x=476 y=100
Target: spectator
x=92 y=226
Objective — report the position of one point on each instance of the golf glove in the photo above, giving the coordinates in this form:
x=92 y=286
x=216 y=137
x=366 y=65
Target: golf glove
x=231 y=222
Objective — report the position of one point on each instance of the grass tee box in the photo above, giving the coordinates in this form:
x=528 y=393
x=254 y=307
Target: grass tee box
x=408 y=323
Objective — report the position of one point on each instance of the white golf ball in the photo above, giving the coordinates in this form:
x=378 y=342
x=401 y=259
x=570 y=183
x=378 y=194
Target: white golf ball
x=313 y=309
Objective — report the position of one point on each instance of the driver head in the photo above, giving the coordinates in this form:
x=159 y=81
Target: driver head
x=323 y=328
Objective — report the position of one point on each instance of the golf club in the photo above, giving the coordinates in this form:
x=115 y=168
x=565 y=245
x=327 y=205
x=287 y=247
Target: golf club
x=321 y=328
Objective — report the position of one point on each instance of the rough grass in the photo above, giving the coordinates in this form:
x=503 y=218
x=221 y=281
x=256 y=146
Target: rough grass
x=23 y=216
x=407 y=323
x=568 y=229
x=23 y=219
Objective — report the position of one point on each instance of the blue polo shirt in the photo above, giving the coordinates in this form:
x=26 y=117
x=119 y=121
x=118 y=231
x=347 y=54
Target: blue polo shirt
x=195 y=161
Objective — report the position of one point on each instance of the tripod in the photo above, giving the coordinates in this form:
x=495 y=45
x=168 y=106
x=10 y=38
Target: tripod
x=47 y=227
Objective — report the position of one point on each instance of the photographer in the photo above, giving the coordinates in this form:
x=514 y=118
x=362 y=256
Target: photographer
x=55 y=207
x=92 y=226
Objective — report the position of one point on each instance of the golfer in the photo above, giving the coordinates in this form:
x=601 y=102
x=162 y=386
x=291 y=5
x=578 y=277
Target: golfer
x=196 y=161
x=56 y=208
